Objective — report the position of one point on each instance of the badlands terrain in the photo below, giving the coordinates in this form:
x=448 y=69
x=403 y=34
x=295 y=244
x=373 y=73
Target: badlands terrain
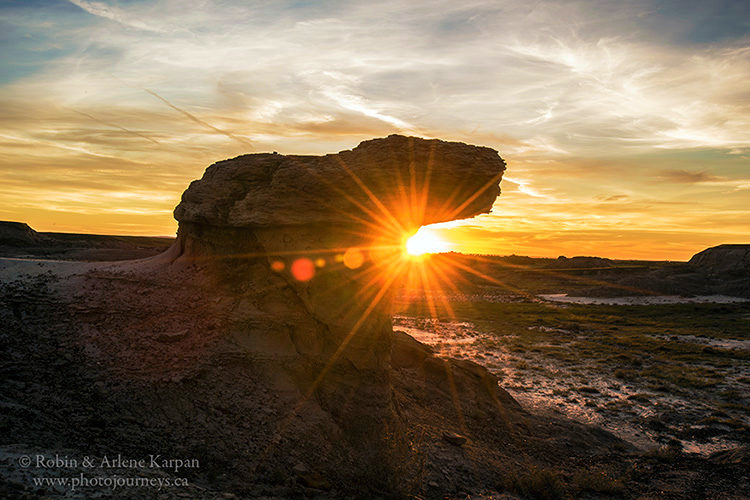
x=285 y=346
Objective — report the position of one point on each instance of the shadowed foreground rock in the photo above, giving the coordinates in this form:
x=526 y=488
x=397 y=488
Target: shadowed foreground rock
x=343 y=218
x=365 y=201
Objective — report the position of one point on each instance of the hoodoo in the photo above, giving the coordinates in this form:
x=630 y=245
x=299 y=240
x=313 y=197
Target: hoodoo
x=332 y=228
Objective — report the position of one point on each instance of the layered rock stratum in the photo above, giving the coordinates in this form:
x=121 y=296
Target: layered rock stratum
x=341 y=220
x=326 y=233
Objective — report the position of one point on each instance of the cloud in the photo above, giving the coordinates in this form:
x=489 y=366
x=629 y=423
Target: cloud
x=613 y=198
x=704 y=178
x=132 y=132
x=683 y=176
x=523 y=187
x=549 y=74
x=116 y=14
x=357 y=103
x=199 y=121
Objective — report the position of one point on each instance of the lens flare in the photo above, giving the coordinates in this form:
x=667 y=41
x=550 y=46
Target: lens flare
x=303 y=269
x=277 y=266
x=353 y=258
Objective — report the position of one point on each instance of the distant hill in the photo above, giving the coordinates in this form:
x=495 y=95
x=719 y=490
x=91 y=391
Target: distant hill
x=724 y=259
x=17 y=234
x=18 y=239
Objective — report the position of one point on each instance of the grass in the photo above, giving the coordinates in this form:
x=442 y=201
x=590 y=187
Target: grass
x=597 y=482
x=538 y=484
x=637 y=350
x=726 y=321
x=665 y=454
x=647 y=352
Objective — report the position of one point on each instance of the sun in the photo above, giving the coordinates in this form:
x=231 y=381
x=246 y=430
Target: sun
x=424 y=241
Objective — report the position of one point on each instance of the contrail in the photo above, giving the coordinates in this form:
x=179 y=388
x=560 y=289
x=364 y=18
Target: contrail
x=116 y=126
x=114 y=14
x=198 y=120
x=54 y=144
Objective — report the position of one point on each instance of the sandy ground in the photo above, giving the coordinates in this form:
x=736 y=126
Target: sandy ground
x=12 y=269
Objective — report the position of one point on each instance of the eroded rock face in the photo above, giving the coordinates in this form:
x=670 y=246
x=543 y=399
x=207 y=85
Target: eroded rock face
x=723 y=259
x=396 y=180
x=332 y=227
x=17 y=233
x=315 y=208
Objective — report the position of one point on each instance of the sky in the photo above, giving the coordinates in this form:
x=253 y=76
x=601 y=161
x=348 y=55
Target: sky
x=625 y=125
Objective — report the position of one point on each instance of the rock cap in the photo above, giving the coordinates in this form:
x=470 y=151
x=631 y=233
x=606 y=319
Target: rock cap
x=409 y=179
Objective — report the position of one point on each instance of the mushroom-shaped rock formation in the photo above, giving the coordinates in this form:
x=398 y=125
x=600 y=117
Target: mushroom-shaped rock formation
x=395 y=182
x=333 y=228
x=306 y=212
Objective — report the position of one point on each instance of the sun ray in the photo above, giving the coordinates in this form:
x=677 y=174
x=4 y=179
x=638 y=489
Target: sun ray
x=374 y=222
x=378 y=203
x=352 y=332
x=502 y=284
x=557 y=274
x=455 y=398
x=457 y=211
x=284 y=424
x=441 y=271
x=427 y=290
x=425 y=192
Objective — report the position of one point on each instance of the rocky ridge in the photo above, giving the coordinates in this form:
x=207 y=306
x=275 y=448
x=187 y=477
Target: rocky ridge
x=731 y=259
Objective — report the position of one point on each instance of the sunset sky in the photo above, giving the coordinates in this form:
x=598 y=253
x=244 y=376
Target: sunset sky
x=625 y=125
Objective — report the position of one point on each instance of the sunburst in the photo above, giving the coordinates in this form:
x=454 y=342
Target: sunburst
x=397 y=252
x=425 y=241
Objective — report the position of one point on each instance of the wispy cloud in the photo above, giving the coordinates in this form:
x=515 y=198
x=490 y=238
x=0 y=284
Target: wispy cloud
x=115 y=14
x=684 y=176
x=199 y=121
x=704 y=178
x=133 y=132
x=358 y=104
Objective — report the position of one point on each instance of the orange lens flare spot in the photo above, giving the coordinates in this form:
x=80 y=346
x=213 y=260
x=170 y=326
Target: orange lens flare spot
x=277 y=266
x=320 y=263
x=354 y=258
x=424 y=241
x=303 y=269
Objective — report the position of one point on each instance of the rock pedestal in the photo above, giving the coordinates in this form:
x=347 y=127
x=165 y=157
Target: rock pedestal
x=333 y=228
